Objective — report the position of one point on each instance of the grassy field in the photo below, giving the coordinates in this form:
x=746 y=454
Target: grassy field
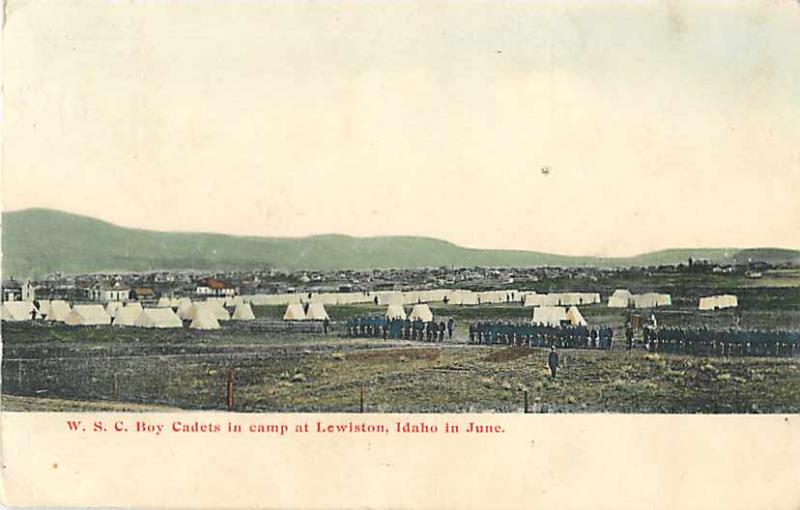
x=60 y=368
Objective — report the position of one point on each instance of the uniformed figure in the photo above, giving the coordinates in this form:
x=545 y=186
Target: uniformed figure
x=441 y=331
x=552 y=361
x=451 y=324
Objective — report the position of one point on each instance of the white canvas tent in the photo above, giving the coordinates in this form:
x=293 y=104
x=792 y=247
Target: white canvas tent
x=88 y=315
x=17 y=311
x=294 y=312
x=127 y=315
x=243 y=312
x=164 y=302
x=575 y=317
x=160 y=318
x=112 y=307
x=59 y=310
x=395 y=312
x=205 y=320
x=44 y=307
x=619 y=299
x=651 y=300
x=549 y=315
x=718 y=302
x=542 y=300
x=316 y=312
x=421 y=312
x=185 y=308
x=212 y=307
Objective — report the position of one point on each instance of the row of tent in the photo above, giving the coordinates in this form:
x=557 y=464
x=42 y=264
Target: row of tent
x=561 y=299
x=451 y=296
x=309 y=312
x=622 y=298
x=202 y=315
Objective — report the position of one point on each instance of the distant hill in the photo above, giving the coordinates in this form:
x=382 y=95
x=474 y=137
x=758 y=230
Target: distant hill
x=41 y=241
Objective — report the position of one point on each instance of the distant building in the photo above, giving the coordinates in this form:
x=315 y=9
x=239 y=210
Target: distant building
x=15 y=291
x=106 y=292
x=12 y=290
x=214 y=287
x=143 y=294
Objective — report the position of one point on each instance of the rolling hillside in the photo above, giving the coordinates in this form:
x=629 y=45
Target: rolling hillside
x=40 y=241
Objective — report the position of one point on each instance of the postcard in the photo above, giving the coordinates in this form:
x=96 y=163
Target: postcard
x=401 y=254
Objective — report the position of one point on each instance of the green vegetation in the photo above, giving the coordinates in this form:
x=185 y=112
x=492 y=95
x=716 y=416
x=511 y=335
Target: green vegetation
x=59 y=368
x=309 y=375
x=41 y=241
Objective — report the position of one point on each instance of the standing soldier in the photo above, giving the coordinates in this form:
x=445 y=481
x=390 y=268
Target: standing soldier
x=441 y=331
x=629 y=336
x=325 y=324
x=552 y=361
x=451 y=325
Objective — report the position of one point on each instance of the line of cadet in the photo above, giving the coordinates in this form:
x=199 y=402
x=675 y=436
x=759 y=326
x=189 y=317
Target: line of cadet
x=723 y=342
x=531 y=335
x=400 y=329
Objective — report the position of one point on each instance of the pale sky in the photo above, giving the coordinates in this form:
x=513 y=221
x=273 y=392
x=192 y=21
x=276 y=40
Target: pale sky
x=665 y=124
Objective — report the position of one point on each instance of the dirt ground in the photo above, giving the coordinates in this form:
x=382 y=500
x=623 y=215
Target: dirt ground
x=58 y=368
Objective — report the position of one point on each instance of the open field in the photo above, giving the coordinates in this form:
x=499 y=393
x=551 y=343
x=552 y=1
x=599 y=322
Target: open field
x=56 y=367
x=67 y=368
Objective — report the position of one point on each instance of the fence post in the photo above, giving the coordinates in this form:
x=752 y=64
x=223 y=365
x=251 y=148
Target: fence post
x=526 y=401
x=229 y=386
x=362 y=397
x=115 y=387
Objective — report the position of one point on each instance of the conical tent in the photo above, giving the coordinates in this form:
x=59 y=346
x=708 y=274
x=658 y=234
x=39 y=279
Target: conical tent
x=43 y=307
x=128 y=314
x=185 y=309
x=421 y=312
x=243 y=312
x=395 y=312
x=161 y=318
x=88 y=315
x=218 y=310
x=59 y=310
x=294 y=312
x=17 y=311
x=164 y=302
x=575 y=317
x=204 y=319
x=316 y=312
x=212 y=307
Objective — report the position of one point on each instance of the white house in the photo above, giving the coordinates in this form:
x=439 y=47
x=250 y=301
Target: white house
x=110 y=292
x=214 y=287
x=12 y=290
